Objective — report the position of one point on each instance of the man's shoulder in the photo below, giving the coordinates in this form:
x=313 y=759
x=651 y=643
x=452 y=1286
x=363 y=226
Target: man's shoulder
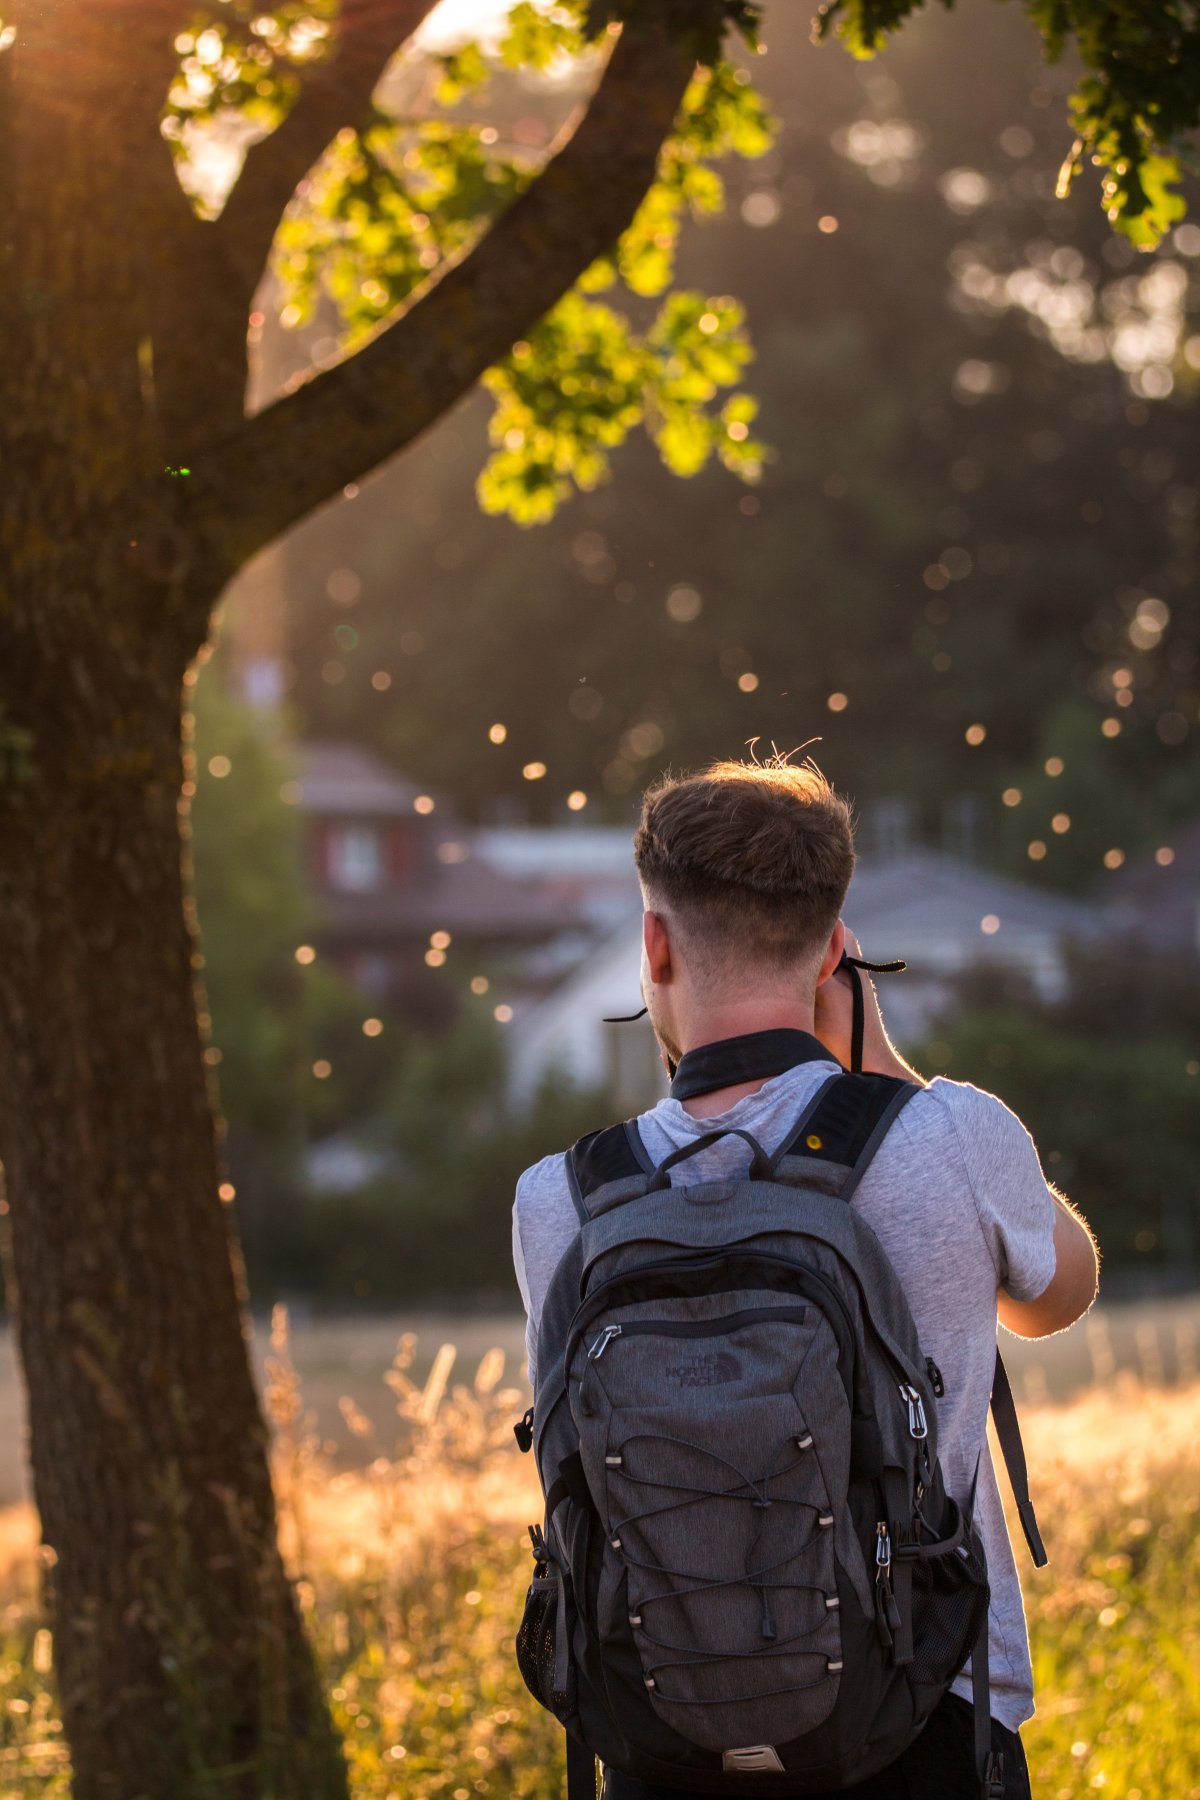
x=971 y=1113
x=543 y=1180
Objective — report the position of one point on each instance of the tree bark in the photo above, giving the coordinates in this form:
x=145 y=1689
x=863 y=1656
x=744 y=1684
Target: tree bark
x=181 y=1661
x=182 y=1666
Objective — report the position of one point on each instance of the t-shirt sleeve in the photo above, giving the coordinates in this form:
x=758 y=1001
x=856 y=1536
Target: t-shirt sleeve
x=1012 y=1197
x=544 y=1224
x=523 y=1283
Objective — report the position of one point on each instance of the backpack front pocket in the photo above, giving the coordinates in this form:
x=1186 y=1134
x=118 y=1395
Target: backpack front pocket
x=716 y=1500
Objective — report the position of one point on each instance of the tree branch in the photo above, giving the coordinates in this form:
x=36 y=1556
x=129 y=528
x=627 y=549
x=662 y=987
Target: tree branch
x=340 y=424
x=335 y=93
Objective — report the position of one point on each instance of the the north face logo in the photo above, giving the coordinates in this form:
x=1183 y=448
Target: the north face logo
x=703 y=1370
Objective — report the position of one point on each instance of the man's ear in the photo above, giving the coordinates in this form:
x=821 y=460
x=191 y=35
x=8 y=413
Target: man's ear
x=657 y=943
x=833 y=954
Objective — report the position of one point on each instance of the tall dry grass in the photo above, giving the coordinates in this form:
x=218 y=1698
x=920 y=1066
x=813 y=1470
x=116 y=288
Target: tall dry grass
x=411 y=1573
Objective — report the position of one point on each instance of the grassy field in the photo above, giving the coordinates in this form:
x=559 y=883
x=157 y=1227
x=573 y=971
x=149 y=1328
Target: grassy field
x=412 y=1570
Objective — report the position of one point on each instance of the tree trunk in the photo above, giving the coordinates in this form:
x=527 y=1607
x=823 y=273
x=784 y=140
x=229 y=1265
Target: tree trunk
x=182 y=1664
x=183 y=1669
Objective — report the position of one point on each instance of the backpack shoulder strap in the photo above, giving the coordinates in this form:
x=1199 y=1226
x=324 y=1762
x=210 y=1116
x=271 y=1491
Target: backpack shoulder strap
x=1008 y=1432
x=615 y=1153
x=847 y=1122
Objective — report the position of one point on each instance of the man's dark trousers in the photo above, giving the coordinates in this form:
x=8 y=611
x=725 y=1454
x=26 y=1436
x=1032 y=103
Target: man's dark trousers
x=939 y=1766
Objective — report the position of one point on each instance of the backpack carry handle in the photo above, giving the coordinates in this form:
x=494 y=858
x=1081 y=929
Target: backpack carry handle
x=760 y=1166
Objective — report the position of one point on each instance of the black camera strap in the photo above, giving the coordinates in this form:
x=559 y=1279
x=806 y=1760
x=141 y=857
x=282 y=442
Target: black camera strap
x=755 y=1057
x=858 y=1016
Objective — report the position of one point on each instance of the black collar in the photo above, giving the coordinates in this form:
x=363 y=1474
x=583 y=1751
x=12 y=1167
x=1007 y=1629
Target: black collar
x=755 y=1057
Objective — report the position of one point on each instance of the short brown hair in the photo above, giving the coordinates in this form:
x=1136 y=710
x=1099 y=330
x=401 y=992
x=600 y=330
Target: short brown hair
x=750 y=856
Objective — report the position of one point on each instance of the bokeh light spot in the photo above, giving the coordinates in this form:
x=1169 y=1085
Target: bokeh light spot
x=684 y=604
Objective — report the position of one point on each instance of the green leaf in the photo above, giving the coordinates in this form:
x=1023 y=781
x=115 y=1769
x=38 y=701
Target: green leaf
x=537 y=37
x=585 y=379
x=385 y=207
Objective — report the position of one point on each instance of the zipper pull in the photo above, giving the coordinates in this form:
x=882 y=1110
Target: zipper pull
x=917 y=1424
x=603 y=1341
x=936 y=1383
x=887 y=1613
x=523 y=1431
x=883 y=1586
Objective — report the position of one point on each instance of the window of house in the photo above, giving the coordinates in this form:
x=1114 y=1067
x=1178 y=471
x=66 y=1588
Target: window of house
x=355 y=858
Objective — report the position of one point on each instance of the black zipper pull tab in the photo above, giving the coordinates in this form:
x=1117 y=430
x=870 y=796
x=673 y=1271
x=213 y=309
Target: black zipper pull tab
x=523 y=1431
x=936 y=1383
x=882 y=1627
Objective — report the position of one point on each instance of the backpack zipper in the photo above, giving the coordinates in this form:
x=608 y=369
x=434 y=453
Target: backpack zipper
x=602 y=1297
x=793 y=1315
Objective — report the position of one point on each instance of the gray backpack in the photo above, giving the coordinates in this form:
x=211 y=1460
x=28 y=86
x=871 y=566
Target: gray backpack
x=751 y=1580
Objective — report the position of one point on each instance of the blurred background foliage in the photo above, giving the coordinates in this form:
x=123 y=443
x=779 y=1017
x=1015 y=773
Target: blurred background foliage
x=977 y=507
x=1135 y=105
x=1101 y=1079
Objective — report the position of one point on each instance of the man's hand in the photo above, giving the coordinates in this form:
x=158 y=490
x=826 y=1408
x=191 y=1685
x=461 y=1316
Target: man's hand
x=834 y=1016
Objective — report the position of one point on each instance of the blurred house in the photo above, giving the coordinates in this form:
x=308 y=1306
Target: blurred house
x=1157 y=898
x=589 y=867
x=943 y=915
x=394 y=877
x=565 y=1036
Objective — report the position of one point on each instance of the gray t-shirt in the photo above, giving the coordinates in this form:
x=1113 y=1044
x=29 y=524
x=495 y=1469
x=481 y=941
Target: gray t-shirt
x=957 y=1197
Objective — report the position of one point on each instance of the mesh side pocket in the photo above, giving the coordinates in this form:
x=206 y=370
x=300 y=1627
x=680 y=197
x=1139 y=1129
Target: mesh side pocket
x=543 y=1643
x=949 y=1603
